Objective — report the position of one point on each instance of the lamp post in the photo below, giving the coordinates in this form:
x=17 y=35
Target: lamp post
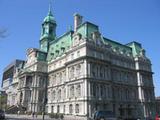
x=45 y=98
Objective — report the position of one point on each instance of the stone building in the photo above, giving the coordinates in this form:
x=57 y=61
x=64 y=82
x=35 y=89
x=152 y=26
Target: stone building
x=82 y=71
x=10 y=81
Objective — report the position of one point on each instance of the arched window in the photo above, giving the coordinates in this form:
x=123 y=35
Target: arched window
x=21 y=96
x=77 y=108
x=78 y=90
x=93 y=70
x=59 y=94
x=72 y=72
x=49 y=81
x=94 y=90
x=60 y=78
x=64 y=93
x=101 y=71
x=58 y=108
x=70 y=109
x=64 y=109
x=102 y=92
x=52 y=109
x=78 y=70
x=54 y=95
x=72 y=91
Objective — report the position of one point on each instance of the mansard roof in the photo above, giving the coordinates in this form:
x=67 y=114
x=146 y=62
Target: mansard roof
x=59 y=46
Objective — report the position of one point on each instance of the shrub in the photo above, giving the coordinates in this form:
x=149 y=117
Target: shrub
x=51 y=115
x=56 y=115
x=39 y=113
x=61 y=116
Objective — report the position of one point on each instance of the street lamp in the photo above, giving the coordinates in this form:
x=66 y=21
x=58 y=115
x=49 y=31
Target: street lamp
x=44 y=99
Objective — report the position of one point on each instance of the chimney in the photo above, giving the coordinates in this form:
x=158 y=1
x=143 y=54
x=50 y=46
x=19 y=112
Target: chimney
x=77 y=21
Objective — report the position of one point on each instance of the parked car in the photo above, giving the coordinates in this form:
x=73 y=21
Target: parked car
x=2 y=115
x=104 y=115
x=157 y=117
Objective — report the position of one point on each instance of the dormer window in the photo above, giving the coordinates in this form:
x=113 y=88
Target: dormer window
x=57 y=52
x=63 y=48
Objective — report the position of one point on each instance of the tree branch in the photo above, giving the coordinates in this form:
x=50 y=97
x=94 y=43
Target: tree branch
x=3 y=33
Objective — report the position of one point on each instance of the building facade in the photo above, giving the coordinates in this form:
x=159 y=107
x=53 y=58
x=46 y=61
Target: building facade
x=10 y=81
x=82 y=71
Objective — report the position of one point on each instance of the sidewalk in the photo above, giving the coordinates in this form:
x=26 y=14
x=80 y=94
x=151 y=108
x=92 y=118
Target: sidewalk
x=39 y=117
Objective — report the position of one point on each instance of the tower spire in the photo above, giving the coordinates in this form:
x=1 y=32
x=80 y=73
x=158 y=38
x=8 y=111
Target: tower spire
x=50 y=11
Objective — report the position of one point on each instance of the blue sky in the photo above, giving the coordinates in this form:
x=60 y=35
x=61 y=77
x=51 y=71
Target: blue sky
x=121 y=20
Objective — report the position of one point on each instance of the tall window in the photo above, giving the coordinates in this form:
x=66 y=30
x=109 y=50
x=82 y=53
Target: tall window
x=52 y=109
x=77 y=108
x=102 y=92
x=78 y=70
x=78 y=90
x=72 y=72
x=70 y=109
x=101 y=71
x=94 y=90
x=64 y=96
x=59 y=94
x=60 y=77
x=72 y=56
x=49 y=81
x=64 y=107
x=54 y=95
x=93 y=71
x=78 y=53
x=72 y=91
x=58 y=108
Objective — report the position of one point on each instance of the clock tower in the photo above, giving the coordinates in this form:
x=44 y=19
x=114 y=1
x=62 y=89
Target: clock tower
x=48 y=32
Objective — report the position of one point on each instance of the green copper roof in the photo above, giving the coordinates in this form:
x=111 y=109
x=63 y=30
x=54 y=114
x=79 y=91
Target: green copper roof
x=50 y=17
x=59 y=46
x=118 y=46
x=86 y=29
x=136 y=48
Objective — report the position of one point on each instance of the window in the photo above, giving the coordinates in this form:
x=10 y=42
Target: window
x=70 y=109
x=78 y=89
x=72 y=56
x=101 y=89
x=72 y=72
x=101 y=72
x=64 y=107
x=59 y=94
x=77 y=108
x=54 y=95
x=78 y=70
x=94 y=90
x=72 y=91
x=52 y=109
x=58 y=108
x=93 y=71
x=60 y=77
x=78 y=53
x=49 y=81
x=64 y=93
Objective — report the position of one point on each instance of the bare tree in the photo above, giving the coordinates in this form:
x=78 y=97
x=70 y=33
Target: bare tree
x=3 y=33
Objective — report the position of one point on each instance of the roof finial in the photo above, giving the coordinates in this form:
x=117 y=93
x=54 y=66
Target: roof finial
x=50 y=11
